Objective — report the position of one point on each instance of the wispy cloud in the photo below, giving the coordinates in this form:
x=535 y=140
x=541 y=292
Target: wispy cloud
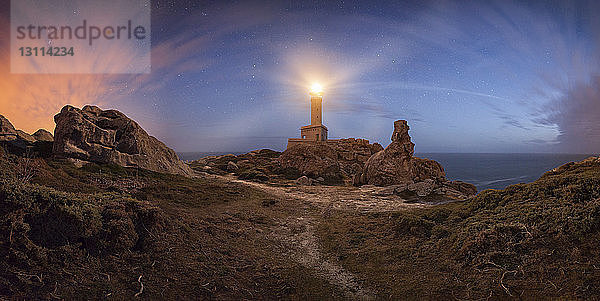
x=577 y=115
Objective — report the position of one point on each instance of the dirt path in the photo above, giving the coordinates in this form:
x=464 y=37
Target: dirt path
x=367 y=198
x=297 y=232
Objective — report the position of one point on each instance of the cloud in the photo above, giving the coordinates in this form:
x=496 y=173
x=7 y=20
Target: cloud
x=512 y=121
x=540 y=142
x=30 y=101
x=577 y=117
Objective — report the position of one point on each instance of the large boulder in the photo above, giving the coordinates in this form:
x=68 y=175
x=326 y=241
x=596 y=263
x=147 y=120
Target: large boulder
x=313 y=160
x=396 y=164
x=108 y=136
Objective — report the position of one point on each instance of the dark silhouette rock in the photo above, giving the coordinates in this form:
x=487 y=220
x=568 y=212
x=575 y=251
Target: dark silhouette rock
x=95 y=135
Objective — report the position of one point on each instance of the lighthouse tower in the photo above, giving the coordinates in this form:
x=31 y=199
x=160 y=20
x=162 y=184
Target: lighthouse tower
x=316 y=131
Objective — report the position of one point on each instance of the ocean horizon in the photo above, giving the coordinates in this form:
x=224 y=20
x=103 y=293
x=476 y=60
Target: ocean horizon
x=484 y=170
x=499 y=170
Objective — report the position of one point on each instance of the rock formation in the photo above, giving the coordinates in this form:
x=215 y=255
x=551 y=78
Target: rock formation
x=255 y=165
x=329 y=162
x=95 y=135
x=333 y=160
x=20 y=143
x=8 y=133
x=43 y=135
x=44 y=143
x=353 y=154
x=396 y=166
x=313 y=160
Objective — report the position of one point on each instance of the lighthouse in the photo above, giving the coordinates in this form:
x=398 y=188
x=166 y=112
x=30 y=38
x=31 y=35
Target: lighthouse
x=316 y=105
x=316 y=131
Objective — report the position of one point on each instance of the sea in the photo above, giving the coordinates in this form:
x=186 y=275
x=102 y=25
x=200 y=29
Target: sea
x=485 y=171
x=498 y=171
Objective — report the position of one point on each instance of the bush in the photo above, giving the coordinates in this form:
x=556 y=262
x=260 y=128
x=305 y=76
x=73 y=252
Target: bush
x=409 y=224
x=98 y=223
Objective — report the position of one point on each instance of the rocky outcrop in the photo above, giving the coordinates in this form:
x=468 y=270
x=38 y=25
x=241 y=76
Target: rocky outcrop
x=395 y=165
x=256 y=165
x=333 y=160
x=313 y=160
x=352 y=154
x=18 y=142
x=44 y=143
x=108 y=136
x=43 y=135
x=8 y=133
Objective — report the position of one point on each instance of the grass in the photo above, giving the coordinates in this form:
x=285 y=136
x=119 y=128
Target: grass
x=533 y=240
x=93 y=231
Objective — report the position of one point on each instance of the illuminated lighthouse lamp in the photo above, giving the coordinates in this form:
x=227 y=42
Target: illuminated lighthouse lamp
x=316 y=89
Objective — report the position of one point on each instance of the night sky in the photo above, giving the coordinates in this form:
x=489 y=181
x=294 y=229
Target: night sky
x=478 y=76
